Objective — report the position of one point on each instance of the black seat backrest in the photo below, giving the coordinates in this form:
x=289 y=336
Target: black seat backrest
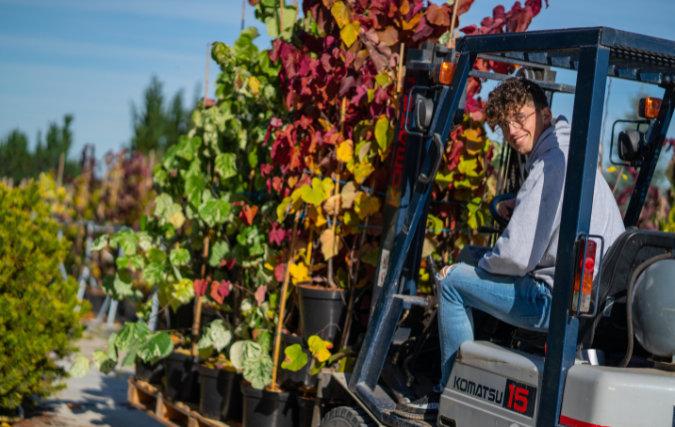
x=630 y=249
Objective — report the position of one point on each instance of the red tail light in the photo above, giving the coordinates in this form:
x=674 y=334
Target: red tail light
x=583 y=280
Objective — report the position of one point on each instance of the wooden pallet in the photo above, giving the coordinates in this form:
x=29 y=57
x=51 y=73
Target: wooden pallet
x=150 y=400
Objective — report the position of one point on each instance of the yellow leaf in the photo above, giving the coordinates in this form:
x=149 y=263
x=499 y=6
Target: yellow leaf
x=283 y=207
x=177 y=219
x=474 y=141
x=611 y=169
x=345 y=151
x=384 y=134
x=341 y=13
x=444 y=180
x=313 y=195
x=350 y=33
x=624 y=176
x=410 y=25
x=362 y=171
x=319 y=348
x=404 y=8
x=434 y=224
x=254 y=86
x=291 y=181
x=333 y=204
x=365 y=205
x=330 y=243
x=326 y=126
x=348 y=194
x=299 y=273
x=327 y=185
x=383 y=79
x=316 y=215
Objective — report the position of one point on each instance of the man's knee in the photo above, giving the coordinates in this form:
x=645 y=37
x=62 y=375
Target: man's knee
x=445 y=271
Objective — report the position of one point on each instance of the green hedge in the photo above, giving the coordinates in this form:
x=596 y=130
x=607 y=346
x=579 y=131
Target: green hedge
x=38 y=321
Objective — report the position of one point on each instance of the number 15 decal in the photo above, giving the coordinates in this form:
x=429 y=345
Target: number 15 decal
x=520 y=398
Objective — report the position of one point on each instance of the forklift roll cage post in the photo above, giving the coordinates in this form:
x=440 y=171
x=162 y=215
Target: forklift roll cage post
x=595 y=53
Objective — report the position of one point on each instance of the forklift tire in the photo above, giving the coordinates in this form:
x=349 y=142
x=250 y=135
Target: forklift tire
x=347 y=416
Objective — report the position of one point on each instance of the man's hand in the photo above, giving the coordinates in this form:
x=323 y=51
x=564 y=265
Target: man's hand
x=504 y=209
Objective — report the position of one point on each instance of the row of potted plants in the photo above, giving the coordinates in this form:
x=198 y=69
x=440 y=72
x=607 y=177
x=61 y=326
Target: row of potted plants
x=269 y=211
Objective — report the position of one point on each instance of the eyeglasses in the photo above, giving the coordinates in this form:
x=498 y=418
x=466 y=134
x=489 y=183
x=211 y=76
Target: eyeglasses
x=518 y=122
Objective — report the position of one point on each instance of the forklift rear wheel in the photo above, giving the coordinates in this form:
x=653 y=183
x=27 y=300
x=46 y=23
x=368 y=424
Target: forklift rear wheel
x=347 y=416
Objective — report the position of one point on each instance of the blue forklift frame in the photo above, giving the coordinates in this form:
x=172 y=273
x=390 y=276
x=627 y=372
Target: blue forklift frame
x=595 y=53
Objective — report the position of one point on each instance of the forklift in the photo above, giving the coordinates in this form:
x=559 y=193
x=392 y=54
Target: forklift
x=608 y=359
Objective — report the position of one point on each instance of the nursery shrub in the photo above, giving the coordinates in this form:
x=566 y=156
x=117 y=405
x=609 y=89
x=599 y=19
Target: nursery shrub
x=38 y=321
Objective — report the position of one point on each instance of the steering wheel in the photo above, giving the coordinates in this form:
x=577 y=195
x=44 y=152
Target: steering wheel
x=493 y=208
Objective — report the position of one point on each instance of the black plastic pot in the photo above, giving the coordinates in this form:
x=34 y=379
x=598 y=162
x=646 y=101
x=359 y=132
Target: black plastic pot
x=221 y=397
x=322 y=312
x=272 y=409
x=149 y=373
x=96 y=298
x=290 y=380
x=182 y=377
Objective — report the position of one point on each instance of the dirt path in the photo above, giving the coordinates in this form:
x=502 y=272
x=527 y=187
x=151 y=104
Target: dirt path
x=94 y=400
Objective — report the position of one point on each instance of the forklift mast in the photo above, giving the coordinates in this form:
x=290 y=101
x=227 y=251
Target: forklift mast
x=595 y=53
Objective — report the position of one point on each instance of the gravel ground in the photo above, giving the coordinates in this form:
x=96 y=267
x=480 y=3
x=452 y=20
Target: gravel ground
x=94 y=400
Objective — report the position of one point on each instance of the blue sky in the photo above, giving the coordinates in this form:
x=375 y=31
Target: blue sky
x=93 y=59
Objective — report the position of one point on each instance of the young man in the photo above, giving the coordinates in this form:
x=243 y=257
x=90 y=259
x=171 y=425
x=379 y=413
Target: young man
x=514 y=281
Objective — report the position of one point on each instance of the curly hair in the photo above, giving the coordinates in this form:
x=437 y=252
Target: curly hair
x=512 y=95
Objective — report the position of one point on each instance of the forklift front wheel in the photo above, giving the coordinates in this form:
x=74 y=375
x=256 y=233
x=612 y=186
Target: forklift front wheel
x=347 y=416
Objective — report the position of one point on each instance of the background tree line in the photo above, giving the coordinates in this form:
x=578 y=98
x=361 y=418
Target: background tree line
x=157 y=124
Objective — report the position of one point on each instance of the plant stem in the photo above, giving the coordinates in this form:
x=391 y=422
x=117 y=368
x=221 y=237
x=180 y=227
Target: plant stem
x=198 y=301
x=282 y=306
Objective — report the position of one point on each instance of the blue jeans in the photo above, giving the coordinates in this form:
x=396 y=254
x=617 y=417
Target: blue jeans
x=520 y=301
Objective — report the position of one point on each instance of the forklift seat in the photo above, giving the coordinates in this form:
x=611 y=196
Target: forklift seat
x=607 y=330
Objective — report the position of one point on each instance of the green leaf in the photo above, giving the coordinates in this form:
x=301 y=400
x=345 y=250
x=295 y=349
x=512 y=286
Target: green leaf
x=144 y=240
x=317 y=367
x=296 y=358
x=130 y=357
x=100 y=243
x=194 y=186
x=121 y=286
x=226 y=165
x=136 y=262
x=217 y=335
x=219 y=251
x=126 y=240
x=155 y=347
x=103 y=363
x=131 y=333
x=162 y=202
x=80 y=367
x=243 y=350
x=182 y=293
x=187 y=147
x=265 y=341
x=156 y=255
x=179 y=257
x=152 y=273
x=258 y=371
x=214 y=212
x=112 y=347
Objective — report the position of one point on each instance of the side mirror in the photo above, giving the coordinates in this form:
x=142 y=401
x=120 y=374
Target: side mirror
x=632 y=145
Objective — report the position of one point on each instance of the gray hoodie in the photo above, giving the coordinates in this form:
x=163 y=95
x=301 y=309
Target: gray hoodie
x=529 y=244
